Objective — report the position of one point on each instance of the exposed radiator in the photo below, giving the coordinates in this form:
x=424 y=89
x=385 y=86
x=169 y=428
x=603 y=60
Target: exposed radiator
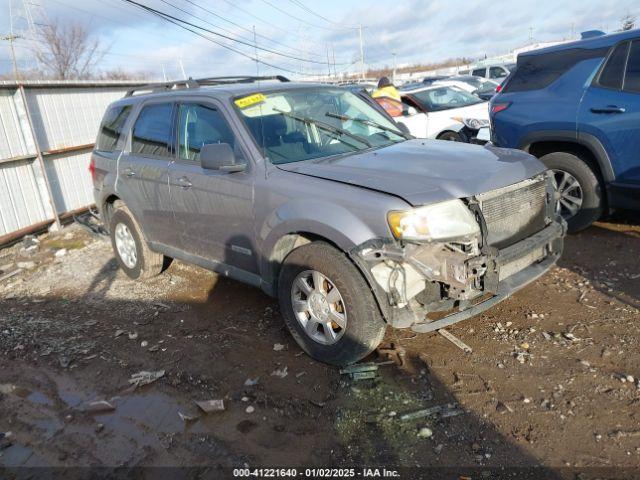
x=515 y=212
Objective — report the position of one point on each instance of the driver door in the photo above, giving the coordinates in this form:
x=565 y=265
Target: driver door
x=212 y=208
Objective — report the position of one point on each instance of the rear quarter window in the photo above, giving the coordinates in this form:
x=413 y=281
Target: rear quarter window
x=535 y=72
x=153 y=132
x=632 y=77
x=613 y=71
x=112 y=127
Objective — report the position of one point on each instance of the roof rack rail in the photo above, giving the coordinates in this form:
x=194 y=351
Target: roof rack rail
x=191 y=83
x=161 y=87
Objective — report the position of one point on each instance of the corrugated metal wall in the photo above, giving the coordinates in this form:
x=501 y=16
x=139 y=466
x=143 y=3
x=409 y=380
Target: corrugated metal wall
x=62 y=116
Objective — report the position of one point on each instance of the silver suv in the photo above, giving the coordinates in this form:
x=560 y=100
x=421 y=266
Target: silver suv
x=315 y=195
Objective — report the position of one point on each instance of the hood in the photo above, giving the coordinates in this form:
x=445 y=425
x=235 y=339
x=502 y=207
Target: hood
x=425 y=171
x=478 y=110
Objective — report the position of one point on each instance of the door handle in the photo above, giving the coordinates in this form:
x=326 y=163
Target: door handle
x=184 y=182
x=608 y=109
x=129 y=172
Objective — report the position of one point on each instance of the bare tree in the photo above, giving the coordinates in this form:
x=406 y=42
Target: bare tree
x=67 y=52
x=628 y=22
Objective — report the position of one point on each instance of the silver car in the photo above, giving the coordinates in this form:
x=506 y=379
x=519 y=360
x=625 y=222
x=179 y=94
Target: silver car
x=315 y=195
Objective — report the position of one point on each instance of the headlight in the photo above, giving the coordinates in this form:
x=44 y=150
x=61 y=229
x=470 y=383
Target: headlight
x=442 y=221
x=472 y=123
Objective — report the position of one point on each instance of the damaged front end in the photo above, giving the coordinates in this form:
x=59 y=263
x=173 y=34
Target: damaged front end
x=427 y=285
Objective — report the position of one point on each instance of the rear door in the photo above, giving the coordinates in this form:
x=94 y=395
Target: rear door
x=610 y=110
x=143 y=171
x=213 y=209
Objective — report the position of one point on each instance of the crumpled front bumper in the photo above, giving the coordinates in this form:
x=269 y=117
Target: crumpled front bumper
x=515 y=267
x=493 y=275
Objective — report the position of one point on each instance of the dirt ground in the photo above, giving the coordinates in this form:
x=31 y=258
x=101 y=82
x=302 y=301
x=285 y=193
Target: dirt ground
x=552 y=379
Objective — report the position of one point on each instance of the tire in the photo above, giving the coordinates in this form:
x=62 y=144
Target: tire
x=147 y=263
x=364 y=326
x=450 y=136
x=589 y=185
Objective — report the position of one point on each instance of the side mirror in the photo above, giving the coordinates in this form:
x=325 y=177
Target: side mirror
x=220 y=156
x=411 y=111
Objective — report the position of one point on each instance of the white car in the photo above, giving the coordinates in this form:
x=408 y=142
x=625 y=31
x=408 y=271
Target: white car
x=443 y=112
x=482 y=87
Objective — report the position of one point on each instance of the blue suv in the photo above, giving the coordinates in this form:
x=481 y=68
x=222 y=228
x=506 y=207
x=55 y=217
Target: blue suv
x=576 y=107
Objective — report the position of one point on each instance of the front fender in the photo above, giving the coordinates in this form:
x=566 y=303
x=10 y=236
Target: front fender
x=323 y=219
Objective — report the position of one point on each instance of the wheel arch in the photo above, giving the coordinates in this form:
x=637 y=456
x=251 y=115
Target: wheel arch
x=288 y=242
x=583 y=145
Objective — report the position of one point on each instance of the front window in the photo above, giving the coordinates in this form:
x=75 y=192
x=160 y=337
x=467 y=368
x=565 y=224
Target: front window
x=304 y=124
x=444 y=98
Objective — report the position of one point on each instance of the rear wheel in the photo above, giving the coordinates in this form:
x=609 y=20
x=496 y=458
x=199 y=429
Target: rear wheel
x=578 y=190
x=328 y=306
x=133 y=254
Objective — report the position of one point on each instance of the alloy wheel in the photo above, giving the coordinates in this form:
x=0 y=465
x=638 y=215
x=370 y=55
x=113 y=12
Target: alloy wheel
x=569 y=195
x=318 y=306
x=126 y=245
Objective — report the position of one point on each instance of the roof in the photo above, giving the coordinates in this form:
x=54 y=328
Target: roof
x=602 y=41
x=225 y=90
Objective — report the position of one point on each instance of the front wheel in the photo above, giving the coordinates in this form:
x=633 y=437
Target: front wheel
x=450 y=136
x=578 y=190
x=328 y=306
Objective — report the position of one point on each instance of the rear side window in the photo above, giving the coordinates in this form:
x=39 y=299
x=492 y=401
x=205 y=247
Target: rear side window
x=613 y=71
x=152 y=132
x=497 y=72
x=111 y=128
x=534 y=72
x=478 y=72
x=632 y=78
x=201 y=125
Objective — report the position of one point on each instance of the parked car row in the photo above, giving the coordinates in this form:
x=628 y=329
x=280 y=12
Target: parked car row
x=576 y=106
x=453 y=108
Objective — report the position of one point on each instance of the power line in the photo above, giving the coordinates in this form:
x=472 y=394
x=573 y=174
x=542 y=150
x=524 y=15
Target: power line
x=249 y=44
x=303 y=20
x=179 y=23
x=239 y=26
x=308 y=10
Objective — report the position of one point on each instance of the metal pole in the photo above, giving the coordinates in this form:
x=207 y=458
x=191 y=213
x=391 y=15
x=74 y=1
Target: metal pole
x=328 y=64
x=361 y=50
x=255 y=45
x=39 y=156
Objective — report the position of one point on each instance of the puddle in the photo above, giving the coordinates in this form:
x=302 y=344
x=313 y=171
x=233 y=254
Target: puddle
x=39 y=398
x=144 y=420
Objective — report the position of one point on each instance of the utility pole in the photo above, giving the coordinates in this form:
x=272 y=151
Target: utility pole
x=328 y=64
x=394 y=66
x=255 y=45
x=361 y=50
x=530 y=34
x=11 y=38
x=333 y=55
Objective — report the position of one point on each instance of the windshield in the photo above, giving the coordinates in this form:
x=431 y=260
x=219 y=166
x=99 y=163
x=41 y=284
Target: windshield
x=444 y=98
x=303 y=124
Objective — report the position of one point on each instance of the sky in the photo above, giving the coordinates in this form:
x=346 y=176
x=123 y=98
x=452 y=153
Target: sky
x=298 y=38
